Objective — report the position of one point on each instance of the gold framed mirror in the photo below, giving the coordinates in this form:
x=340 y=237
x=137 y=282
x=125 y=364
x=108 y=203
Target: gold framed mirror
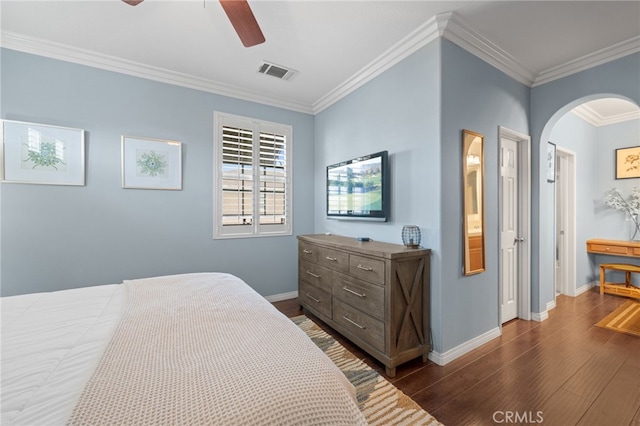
x=473 y=203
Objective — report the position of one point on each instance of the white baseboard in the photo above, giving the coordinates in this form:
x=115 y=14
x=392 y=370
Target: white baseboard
x=586 y=287
x=541 y=316
x=468 y=346
x=282 y=296
x=551 y=305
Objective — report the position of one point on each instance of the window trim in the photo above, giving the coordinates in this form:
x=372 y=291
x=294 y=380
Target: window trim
x=254 y=230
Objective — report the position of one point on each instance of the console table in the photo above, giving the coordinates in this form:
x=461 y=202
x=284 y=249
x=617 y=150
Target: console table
x=617 y=248
x=375 y=294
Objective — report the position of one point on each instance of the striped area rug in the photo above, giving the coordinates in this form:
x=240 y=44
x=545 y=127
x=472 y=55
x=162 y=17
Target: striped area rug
x=625 y=319
x=380 y=401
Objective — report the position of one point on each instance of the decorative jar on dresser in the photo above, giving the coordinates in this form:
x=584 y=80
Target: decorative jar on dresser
x=375 y=294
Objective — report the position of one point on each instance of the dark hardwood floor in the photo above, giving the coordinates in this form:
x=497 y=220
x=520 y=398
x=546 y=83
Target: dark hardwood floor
x=562 y=371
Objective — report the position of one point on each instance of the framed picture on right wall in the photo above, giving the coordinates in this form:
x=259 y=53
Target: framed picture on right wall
x=628 y=162
x=551 y=162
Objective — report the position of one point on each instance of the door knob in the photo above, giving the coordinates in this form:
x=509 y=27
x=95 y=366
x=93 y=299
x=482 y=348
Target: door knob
x=518 y=240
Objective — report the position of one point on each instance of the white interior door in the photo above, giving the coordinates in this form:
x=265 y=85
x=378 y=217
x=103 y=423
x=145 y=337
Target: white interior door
x=509 y=239
x=565 y=273
x=560 y=228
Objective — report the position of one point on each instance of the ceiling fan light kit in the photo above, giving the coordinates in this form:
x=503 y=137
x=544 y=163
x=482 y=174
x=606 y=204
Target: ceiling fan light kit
x=241 y=17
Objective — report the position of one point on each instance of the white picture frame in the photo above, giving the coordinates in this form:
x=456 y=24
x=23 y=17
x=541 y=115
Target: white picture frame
x=151 y=163
x=42 y=154
x=551 y=162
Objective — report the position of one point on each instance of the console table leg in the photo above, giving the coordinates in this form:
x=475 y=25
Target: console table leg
x=601 y=280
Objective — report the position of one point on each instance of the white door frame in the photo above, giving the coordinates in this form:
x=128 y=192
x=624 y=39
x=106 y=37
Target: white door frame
x=567 y=256
x=524 y=219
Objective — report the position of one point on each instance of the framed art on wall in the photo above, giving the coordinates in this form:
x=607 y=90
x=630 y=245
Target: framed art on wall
x=551 y=162
x=151 y=163
x=628 y=162
x=42 y=154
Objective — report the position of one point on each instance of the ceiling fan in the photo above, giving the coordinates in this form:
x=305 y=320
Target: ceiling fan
x=241 y=17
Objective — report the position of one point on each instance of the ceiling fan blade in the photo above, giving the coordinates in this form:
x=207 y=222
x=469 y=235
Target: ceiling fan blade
x=132 y=2
x=243 y=21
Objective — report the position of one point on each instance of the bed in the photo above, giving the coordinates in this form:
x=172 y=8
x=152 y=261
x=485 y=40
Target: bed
x=184 y=349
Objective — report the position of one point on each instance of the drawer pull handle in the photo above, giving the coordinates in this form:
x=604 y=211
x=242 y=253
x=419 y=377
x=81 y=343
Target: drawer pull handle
x=333 y=259
x=361 y=327
x=345 y=288
x=312 y=298
x=307 y=251
x=313 y=275
x=365 y=268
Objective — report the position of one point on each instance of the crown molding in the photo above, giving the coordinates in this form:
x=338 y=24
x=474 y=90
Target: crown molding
x=587 y=114
x=592 y=117
x=447 y=25
x=110 y=63
x=459 y=32
x=453 y=28
x=591 y=60
x=420 y=37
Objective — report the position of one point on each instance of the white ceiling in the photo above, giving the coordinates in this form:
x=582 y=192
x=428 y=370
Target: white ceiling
x=335 y=46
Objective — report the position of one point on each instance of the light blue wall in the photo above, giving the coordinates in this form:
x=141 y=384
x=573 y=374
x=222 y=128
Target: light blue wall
x=476 y=97
x=549 y=102
x=580 y=138
x=611 y=223
x=417 y=111
x=594 y=149
x=56 y=237
x=399 y=111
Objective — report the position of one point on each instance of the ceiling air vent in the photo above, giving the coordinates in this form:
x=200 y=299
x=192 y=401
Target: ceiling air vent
x=277 y=71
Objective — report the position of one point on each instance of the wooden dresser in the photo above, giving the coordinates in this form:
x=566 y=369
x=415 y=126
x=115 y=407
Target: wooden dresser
x=375 y=294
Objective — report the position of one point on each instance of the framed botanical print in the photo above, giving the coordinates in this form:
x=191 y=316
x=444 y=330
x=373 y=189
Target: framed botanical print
x=151 y=163
x=628 y=162
x=42 y=154
x=551 y=162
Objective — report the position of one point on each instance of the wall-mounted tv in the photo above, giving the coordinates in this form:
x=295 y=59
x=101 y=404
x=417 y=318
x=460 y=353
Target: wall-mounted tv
x=359 y=188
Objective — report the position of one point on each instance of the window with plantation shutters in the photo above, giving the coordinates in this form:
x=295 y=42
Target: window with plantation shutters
x=252 y=177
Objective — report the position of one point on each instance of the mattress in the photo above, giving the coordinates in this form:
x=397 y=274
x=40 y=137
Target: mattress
x=261 y=368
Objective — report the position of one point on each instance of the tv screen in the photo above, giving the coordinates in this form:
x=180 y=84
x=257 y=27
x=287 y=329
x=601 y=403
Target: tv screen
x=358 y=188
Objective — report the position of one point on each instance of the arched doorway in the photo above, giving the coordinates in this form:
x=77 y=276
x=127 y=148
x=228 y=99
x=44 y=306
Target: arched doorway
x=586 y=134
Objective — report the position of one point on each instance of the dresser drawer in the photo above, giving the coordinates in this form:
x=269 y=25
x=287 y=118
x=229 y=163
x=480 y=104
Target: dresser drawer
x=314 y=298
x=367 y=269
x=367 y=297
x=307 y=252
x=315 y=274
x=364 y=326
x=334 y=259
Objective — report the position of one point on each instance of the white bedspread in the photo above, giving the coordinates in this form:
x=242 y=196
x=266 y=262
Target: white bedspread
x=50 y=344
x=266 y=370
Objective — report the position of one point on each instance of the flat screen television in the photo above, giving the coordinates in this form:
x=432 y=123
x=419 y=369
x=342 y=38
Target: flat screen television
x=359 y=188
